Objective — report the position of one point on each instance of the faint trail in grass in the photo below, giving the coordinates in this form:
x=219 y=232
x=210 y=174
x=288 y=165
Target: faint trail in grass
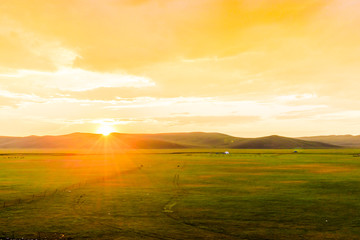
x=36 y=197
x=129 y=232
x=179 y=193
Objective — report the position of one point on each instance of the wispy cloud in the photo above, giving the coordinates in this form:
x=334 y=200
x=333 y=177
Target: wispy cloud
x=296 y=97
x=70 y=79
x=249 y=66
x=21 y=96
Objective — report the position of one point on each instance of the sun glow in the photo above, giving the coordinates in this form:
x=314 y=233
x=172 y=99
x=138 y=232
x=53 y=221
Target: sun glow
x=105 y=130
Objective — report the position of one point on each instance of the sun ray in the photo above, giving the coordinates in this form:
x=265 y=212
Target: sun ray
x=105 y=130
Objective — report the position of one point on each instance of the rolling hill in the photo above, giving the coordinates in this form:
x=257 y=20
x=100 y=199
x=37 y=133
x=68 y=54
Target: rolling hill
x=348 y=141
x=156 y=141
x=197 y=139
x=278 y=142
x=85 y=141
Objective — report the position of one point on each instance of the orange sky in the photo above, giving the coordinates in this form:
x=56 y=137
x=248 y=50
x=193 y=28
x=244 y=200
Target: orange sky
x=243 y=67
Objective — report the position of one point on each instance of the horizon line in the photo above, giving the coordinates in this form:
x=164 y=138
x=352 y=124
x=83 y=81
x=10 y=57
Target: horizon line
x=141 y=133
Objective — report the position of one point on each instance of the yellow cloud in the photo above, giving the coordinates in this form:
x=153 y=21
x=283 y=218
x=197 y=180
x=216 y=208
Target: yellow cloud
x=282 y=61
x=115 y=34
x=69 y=79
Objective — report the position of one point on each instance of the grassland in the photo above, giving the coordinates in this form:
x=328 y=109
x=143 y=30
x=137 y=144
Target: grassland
x=186 y=194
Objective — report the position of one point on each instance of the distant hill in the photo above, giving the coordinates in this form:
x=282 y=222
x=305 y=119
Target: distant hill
x=157 y=141
x=86 y=141
x=278 y=142
x=348 y=141
x=197 y=139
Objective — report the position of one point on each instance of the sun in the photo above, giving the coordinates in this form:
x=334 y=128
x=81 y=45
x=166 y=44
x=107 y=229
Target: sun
x=105 y=130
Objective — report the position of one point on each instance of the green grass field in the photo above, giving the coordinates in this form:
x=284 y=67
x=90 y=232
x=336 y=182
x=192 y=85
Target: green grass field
x=181 y=194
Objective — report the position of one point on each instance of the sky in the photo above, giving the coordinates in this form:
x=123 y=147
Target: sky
x=247 y=68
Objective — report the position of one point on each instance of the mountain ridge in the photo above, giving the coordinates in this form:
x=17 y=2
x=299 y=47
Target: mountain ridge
x=349 y=141
x=180 y=140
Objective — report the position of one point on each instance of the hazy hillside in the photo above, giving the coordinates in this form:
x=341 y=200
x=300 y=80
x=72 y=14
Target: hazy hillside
x=349 y=141
x=219 y=140
x=278 y=142
x=197 y=139
x=85 y=141
x=156 y=141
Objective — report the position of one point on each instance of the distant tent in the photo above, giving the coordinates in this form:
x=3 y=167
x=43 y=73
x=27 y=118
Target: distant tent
x=226 y=152
x=295 y=151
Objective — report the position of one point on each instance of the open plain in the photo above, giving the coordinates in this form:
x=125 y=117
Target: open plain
x=172 y=194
